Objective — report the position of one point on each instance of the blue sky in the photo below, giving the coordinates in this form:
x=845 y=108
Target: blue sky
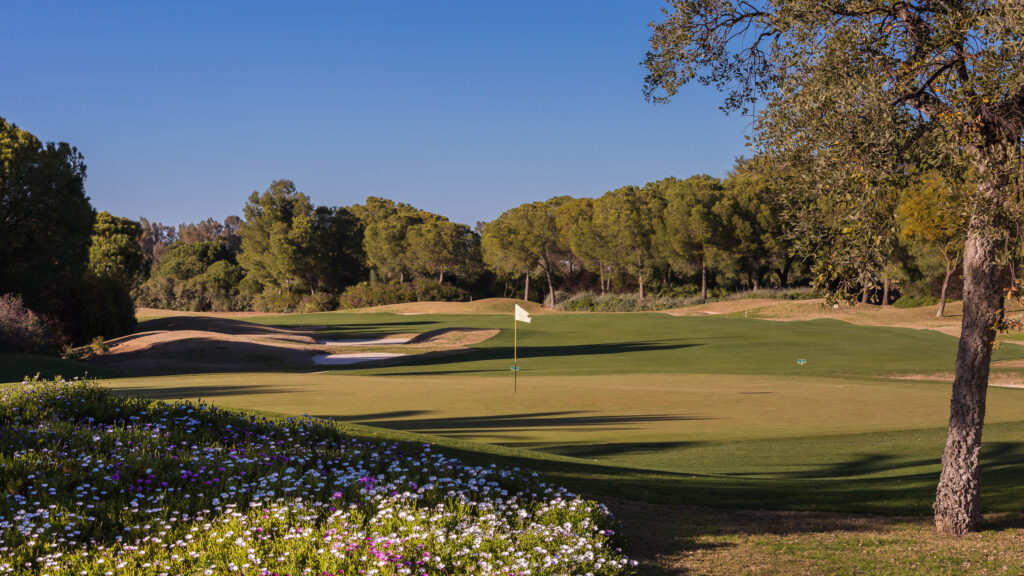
x=182 y=109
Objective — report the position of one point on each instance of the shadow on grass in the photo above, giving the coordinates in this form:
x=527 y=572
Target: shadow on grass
x=203 y=392
x=396 y=421
x=502 y=356
x=586 y=450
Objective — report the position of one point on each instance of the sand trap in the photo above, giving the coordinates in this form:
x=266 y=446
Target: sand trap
x=343 y=359
x=377 y=342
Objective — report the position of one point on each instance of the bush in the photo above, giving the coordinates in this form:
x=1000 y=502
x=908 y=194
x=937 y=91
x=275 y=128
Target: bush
x=364 y=295
x=319 y=302
x=428 y=290
x=21 y=330
x=915 y=301
x=270 y=302
x=590 y=302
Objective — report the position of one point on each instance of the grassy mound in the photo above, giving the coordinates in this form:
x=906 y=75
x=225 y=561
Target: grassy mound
x=98 y=484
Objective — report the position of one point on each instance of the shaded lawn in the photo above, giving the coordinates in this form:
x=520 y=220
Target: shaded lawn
x=15 y=367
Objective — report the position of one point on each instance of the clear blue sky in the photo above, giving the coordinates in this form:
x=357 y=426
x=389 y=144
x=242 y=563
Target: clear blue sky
x=183 y=108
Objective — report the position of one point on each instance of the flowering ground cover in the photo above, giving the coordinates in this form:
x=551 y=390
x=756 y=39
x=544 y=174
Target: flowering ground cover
x=98 y=484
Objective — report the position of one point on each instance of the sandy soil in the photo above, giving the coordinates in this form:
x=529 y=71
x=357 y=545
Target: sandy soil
x=198 y=343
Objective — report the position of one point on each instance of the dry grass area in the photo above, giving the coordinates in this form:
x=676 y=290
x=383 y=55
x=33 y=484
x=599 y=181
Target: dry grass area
x=686 y=540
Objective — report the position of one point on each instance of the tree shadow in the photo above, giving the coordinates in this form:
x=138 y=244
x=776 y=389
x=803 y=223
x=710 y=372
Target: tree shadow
x=206 y=392
x=504 y=355
x=511 y=422
x=603 y=449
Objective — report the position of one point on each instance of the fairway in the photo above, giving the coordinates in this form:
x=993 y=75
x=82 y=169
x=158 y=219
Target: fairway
x=707 y=410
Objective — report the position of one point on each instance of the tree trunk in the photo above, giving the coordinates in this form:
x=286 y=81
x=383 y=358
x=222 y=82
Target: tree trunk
x=551 y=290
x=945 y=286
x=958 y=498
x=526 y=291
x=640 y=274
x=703 y=280
x=440 y=278
x=885 y=291
x=784 y=273
x=864 y=296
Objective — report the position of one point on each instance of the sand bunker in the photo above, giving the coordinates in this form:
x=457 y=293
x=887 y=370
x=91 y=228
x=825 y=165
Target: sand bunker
x=192 y=344
x=346 y=359
x=377 y=342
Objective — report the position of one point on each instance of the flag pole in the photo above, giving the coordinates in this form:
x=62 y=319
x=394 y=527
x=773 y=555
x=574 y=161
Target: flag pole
x=515 y=354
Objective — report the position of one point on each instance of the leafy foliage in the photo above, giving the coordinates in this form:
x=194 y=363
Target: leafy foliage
x=45 y=226
x=21 y=330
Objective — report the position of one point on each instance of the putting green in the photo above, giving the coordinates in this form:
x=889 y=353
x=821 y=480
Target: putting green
x=675 y=423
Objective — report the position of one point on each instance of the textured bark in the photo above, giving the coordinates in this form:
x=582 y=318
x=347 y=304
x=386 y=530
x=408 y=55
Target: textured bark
x=945 y=287
x=885 y=292
x=958 y=498
x=551 y=290
x=526 y=291
x=703 y=280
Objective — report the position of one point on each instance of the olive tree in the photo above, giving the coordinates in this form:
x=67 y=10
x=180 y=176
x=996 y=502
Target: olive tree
x=857 y=91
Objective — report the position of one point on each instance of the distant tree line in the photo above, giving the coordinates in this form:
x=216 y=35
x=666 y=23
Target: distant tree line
x=83 y=272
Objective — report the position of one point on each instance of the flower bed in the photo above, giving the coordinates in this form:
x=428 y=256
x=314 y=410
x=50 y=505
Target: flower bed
x=95 y=484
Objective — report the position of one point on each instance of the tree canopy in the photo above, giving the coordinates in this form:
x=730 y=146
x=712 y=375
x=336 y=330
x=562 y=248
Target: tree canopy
x=45 y=225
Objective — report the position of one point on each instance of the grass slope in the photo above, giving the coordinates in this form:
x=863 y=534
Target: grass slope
x=16 y=367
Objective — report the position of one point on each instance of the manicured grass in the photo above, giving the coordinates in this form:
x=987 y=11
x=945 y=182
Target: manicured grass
x=573 y=344
x=749 y=441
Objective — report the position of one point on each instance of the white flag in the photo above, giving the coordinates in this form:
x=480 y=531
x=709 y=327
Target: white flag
x=522 y=315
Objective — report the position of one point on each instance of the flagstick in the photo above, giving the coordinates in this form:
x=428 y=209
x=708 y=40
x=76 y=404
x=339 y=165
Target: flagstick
x=515 y=355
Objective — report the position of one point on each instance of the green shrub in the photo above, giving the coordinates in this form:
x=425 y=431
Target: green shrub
x=21 y=330
x=364 y=295
x=98 y=345
x=319 y=302
x=590 y=302
x=906 y=301
x=429 y=290
x=271 y=302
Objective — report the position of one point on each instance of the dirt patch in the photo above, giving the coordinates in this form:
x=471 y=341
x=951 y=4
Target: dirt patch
x=195 y=343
